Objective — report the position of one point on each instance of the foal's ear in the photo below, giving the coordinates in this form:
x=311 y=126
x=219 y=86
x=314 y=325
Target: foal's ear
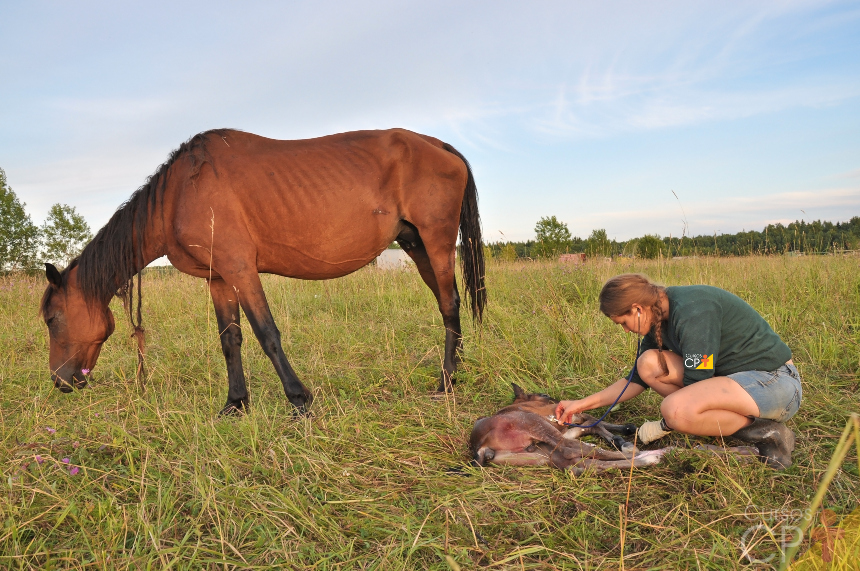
x=519 y=393
x=53 y=275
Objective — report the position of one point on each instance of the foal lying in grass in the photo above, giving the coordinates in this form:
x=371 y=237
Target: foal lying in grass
x=527 y=434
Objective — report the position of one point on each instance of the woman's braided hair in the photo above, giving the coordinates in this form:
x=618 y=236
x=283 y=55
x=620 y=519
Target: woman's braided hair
x=621 y=292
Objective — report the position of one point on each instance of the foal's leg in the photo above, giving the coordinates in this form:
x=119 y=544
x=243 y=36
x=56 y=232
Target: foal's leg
x=642 y=459
x=573 y=450
x=444 y=286
x=589 y=425
x=598 y=430
x=253 y=301
x=622 y=429
x=226 y=304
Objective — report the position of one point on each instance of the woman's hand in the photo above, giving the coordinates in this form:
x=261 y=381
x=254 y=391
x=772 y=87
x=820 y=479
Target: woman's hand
x=567 y=408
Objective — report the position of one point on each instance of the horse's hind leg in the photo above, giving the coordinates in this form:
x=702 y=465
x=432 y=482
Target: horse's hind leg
x=226 y=304
x=253 y=301
x=439 y=277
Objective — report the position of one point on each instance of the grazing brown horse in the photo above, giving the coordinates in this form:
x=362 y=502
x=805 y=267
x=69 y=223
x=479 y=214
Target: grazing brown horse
x=227 y=206
x=526 y=434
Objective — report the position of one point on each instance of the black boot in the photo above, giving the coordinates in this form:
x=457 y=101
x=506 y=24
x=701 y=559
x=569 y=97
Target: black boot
x=774 y=440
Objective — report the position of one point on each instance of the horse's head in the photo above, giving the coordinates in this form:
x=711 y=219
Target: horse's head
x=77 y=327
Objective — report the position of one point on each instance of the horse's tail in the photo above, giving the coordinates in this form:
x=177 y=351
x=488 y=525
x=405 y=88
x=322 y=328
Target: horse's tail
x=471 y=246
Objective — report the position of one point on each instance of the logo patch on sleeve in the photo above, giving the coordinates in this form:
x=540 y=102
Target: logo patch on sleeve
x=698 y=361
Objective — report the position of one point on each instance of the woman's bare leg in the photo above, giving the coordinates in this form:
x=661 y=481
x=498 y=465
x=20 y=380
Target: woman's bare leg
x=714 y=407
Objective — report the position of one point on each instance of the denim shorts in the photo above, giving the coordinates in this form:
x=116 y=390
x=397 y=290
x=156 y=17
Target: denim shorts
x=777 y=393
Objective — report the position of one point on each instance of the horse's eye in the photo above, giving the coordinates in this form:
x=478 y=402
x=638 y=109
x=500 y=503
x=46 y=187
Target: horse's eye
x=544 y=396
x=49 y=321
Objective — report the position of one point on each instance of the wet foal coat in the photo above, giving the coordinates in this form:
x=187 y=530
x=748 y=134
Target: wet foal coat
x=228 y=205
x=525 y=433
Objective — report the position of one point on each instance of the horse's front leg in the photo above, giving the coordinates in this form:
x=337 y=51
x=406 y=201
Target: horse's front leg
x=226 y=304
x=253 y=301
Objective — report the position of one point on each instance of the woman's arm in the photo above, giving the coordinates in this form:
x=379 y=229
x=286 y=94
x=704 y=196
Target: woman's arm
x=567 y=408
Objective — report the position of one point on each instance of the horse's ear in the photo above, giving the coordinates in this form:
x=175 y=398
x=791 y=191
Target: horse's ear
x=519 y=393
x=53 y=275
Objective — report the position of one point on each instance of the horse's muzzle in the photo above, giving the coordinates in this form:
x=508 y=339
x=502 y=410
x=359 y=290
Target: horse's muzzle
x=79 y=381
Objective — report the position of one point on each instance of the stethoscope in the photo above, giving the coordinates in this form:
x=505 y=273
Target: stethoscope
x=629 y=377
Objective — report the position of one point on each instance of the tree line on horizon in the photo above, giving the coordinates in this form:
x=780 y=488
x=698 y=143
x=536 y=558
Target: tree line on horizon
x=25 y=246
x=553 y=238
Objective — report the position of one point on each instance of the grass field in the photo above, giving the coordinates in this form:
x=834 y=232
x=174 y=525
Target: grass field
x=378 y=476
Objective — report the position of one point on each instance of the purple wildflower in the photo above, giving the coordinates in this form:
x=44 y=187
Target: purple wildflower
x=85 y=371
x=50 y=430
x=39 y=459
x=74 y=470
x=65 y=460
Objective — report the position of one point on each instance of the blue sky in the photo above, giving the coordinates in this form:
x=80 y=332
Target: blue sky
x=590 y=111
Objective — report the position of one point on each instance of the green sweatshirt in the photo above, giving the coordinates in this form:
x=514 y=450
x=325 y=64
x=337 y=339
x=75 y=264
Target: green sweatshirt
x=716 y=333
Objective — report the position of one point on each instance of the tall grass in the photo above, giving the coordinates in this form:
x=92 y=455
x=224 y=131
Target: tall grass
x=378 y=476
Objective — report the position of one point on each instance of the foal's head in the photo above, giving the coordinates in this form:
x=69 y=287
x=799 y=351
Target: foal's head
x=537 y=403
x=77 y=327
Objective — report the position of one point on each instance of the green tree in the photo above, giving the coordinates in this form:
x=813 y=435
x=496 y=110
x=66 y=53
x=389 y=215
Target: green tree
x=649 y=246
x=552 y=237
x=19 y=237
x=509 y=252
x=65 y=233
x=598 y=244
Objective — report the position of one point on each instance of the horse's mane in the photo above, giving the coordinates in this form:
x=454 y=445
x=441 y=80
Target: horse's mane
x=108 y=264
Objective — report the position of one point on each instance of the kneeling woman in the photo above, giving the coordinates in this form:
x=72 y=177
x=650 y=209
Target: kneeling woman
x=720 y=368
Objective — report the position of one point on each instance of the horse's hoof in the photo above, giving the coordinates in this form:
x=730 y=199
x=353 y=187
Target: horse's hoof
x=302 y=403
x=301 y=412
x=629 y=430
x=446 y=383
x=234 y=409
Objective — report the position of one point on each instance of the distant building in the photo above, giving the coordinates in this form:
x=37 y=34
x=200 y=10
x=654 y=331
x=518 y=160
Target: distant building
x=572 y=258
x=394 y=260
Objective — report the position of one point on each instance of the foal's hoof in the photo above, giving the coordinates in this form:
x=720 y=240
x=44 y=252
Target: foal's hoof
x=234 y=409
x=629 y=429
x=618 y=443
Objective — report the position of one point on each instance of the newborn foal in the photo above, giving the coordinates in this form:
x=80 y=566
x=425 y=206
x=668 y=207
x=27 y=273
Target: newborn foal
x=526 y=434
